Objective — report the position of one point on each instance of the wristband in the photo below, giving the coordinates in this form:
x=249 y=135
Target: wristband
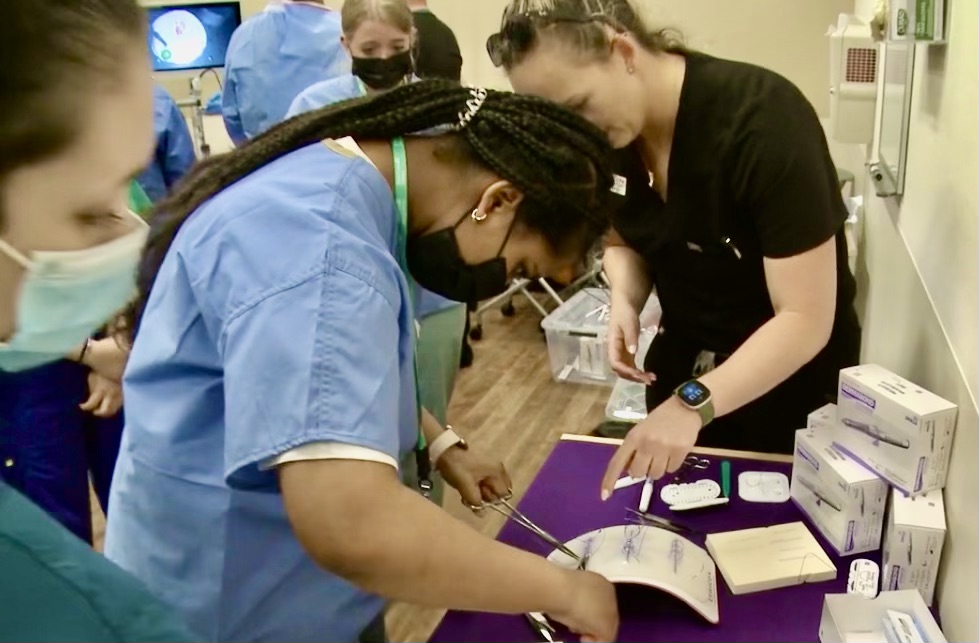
x=443 y=443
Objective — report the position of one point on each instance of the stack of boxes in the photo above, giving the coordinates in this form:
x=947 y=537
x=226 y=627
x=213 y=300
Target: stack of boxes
x=885 y=445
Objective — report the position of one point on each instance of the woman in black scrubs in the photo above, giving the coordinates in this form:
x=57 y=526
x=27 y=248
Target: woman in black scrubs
x=730 y=208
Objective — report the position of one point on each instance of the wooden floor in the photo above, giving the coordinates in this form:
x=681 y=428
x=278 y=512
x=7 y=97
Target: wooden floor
x=509 y=379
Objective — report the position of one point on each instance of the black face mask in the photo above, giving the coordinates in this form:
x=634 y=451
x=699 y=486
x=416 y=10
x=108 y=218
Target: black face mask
x=436 y=264
x=383 y=73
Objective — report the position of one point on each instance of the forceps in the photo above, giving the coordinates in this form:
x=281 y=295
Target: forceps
x=645 y=518
x=512 y=513
x=691 y=462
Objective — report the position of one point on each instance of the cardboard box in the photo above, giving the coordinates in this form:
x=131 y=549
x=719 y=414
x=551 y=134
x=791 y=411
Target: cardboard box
x=913 y=543
x=849 y=618
x=895 y=428
x=822 y=418
x=842 y=499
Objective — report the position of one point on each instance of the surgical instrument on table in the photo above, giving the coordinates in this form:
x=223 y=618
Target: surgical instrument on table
x=541 y=625
x=511 y=512
x=657 y=521
x=691 y=462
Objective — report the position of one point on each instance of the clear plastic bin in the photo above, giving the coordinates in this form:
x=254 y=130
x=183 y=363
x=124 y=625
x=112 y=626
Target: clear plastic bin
x=576 y=337
x=627 y=402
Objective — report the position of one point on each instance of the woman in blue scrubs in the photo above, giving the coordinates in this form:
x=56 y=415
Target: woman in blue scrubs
x=271 y=386
x=379 y=34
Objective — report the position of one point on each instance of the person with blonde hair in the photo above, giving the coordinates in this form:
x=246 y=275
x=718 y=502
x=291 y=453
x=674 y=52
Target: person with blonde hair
x=730 y=207
x=379 y=36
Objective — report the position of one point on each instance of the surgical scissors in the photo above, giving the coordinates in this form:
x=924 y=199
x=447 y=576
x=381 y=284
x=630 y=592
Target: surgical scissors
x=691 y=462
x=512 y=513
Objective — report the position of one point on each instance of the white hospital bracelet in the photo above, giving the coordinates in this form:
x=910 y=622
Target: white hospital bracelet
x=443 y=443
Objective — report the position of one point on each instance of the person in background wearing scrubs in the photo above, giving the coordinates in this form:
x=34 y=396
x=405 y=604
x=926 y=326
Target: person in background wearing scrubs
x=378 y=35
x=272 y=57
x=731 y=208
x=75 y=116
x=380 y=32
x=174 y=153
x=271 y=385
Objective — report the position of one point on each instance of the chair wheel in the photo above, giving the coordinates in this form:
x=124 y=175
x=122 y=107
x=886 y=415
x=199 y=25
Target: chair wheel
x=508 y=310
x=476 y=333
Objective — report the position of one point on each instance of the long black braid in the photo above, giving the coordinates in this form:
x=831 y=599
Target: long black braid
x=558 y=160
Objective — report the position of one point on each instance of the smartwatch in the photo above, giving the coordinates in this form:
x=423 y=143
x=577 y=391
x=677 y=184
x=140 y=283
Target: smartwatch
x=443 y=443
x=696 y=397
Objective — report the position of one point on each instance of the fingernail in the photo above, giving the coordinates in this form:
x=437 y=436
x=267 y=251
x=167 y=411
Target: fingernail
x=632 y=349
x=605 y=495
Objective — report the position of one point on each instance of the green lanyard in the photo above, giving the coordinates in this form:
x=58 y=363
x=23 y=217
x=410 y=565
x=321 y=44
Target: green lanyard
x=401 y=201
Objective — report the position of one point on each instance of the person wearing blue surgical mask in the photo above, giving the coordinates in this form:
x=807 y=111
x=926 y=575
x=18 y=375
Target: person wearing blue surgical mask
x=75 y=127
x=378 y=35
x=272 y=57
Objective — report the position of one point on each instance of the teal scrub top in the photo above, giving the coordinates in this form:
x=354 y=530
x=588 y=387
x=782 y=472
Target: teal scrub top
x=54 y=587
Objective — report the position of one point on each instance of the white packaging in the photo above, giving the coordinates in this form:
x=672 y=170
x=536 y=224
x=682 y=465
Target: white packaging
x=895 y=428
x=842 y=499
x=850 y=618
x=822 y=418
x=913 y=543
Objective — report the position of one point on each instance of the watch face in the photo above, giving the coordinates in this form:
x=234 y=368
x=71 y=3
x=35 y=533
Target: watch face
x=693 y=393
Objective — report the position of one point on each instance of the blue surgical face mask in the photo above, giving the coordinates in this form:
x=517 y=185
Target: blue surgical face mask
x=66 y=296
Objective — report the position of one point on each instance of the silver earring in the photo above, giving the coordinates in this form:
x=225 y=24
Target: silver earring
x=476 y=216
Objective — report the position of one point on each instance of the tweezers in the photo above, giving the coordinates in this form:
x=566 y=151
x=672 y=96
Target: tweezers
x=510 y=512
x=669 y=525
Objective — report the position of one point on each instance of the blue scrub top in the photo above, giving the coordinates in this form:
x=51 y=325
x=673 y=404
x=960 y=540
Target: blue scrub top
x=279 y=317
x=272 y=57
x=340 y=89
x=174 y=153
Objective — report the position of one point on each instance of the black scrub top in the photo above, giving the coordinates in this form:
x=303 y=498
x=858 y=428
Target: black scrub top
x=750 y=177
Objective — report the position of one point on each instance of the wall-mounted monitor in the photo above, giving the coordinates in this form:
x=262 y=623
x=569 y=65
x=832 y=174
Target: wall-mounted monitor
x=191 y=36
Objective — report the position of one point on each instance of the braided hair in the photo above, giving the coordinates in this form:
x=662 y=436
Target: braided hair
x=559 y=161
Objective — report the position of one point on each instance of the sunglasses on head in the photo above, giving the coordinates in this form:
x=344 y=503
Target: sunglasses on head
x=519 y=30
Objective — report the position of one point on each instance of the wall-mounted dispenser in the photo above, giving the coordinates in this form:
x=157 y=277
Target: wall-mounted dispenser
x=853 y=78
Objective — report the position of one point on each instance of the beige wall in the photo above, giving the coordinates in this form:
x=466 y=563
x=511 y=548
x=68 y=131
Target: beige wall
x=785 y=35
x=920 y=279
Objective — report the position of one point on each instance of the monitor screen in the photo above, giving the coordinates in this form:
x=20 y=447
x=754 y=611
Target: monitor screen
x=191 y=36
